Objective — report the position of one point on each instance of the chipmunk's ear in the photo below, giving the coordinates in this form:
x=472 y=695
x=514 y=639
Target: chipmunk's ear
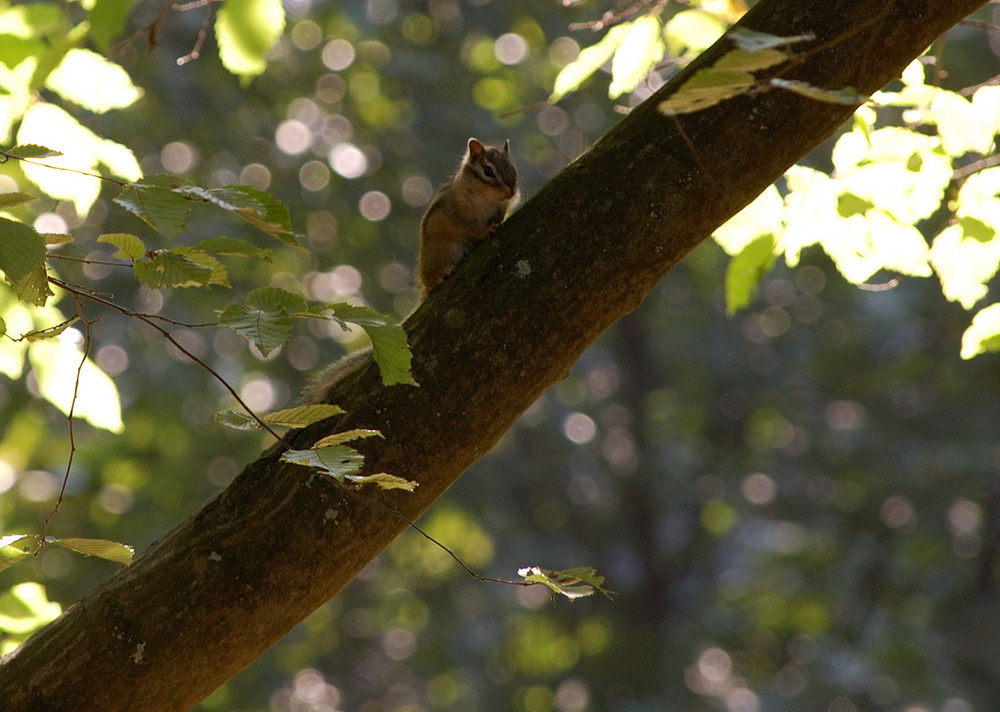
x=475 y=147
x=506 y=146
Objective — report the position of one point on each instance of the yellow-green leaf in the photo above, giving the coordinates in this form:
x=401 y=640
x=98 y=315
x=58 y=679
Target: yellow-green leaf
x=983 y=334
x=101 y=548
x=246 y=30
x=91 y=81
x=639 y=51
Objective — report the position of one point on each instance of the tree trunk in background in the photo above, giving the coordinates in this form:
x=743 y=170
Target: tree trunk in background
x=227 y=583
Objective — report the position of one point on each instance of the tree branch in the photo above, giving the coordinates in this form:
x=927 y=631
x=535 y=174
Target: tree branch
x=224 y=585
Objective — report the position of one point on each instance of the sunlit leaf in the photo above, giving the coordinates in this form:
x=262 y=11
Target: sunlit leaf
x=983 y=334
x=746 y=270
x=692 y=31
x=753 y=41
x=964 y=263
x=587 y=62
x=337 y=461
x=246 y=30
x=101 y=548
x=572 y=583
x=14 y=548
x=34 y=287
x=55 y=362
x=303 y=415
x=706 y=88
x=639 y=51
x=26 y=608
x=82 y=150
x=236 y=419
x=91 y=81
x=275 y=219
x=846 y=95
x=346 y=437
x=234 y=247
x=740 y=60
x=129 y=246
x=383 y=481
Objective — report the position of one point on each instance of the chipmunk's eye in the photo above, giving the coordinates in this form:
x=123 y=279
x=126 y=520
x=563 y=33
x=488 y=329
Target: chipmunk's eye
x=489 y=172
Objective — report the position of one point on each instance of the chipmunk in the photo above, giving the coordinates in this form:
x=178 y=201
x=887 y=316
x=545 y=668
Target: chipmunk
x=461 y=215
x=464 y=212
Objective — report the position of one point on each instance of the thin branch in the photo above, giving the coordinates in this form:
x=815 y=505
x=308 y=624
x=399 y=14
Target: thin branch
x=70 y=419
x=149 y=321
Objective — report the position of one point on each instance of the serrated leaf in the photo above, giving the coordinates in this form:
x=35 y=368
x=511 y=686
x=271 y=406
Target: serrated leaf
x=218 y=274
x=236 y=419
x=34 y=287
x=388 y=339
x=161 y=208
x=337 y=461
x=384 y=481
x=129 y=246
x=101 y=548
x=167 y=268
x=346 y=437
x=246 y=30
x=706 y=88
x=753 y=41
x=302 y=415
x=263 y=318
x=983 y=334
x=14 y=198
x=30 y=150
x=847 y=95
x=275 y=219
x=233 y=247
x=22 y=250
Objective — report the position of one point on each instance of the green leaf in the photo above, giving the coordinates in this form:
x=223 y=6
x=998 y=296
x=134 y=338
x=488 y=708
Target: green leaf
x=572 y=583
x=159 y=207
x=233 y=247
x=246 y=30
x=263 y=318
x=303 y=415
x=587 y=62
x=15 y=547
x=56 y=363
x=337 y=461
x=217 y=271
x=739 y=60
x=172 y=268
x=13 y=199
x=346 y=437
x=101 y=548
x=274 y=219
x=745 y=271
x=129 y=246
x=639 y=51
x=31 y=151
x=22 y=250
x=983 y=334
x=34 y=287
x=388 y=339
x=964 y=264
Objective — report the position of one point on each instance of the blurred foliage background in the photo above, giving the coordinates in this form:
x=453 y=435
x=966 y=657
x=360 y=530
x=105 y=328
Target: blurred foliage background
x=798 y=507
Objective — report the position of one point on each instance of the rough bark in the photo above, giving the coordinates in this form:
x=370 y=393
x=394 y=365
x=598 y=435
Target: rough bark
x=228 y=582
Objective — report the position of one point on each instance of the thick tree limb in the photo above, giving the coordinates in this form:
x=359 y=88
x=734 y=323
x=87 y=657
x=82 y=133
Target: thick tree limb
x=228 y=582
